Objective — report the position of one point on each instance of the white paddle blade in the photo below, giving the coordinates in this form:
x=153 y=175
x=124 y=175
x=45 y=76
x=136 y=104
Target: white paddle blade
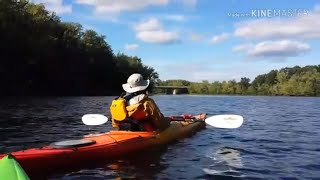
x=94 y=119
x=225 y=121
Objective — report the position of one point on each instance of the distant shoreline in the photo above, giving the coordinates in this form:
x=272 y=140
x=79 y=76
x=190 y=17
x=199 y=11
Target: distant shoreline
x=233 y=95
x=157 y=94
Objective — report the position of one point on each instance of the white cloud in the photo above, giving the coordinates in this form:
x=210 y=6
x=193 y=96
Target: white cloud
x=131 y=47
x=219 y=38
x=87 y=2
x=202 y=70
x=242 y=47
x=317 y=8
x=306 y=26
x=176 y=17
x=151 y=31
x=55 y=6
x=148 y=25
x=158 y=36
x=274 y=49
x=188 y=3
x=118 y=6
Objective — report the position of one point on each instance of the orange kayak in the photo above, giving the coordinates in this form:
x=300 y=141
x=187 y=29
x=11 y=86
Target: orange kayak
x=90 y=148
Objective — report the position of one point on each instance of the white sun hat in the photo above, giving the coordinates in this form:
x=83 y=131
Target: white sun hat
x=135 y=83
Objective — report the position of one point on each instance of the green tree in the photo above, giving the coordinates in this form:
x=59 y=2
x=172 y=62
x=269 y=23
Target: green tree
x=44 y=56
x=244 y=84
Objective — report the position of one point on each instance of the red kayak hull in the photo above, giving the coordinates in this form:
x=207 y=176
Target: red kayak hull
x=107 y=146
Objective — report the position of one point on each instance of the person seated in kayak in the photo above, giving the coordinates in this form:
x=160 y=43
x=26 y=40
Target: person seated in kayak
x=134 y=110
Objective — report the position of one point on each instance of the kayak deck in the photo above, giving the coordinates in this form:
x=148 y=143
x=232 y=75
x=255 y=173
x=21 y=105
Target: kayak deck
x=106 y=146
x=10 y=169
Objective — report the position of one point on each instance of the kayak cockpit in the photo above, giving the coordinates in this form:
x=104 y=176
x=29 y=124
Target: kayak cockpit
x=72 y=143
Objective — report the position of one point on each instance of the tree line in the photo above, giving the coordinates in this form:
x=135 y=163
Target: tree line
x=289 y=81
x=41 y=55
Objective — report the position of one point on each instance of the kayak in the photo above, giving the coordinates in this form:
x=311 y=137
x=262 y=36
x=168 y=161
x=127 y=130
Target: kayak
x=10 y=169
x=94 y=147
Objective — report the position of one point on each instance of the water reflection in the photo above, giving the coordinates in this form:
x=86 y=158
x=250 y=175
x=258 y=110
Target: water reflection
x=230 y=156
x=226 y=161
x=141 y=165
x=280 y=139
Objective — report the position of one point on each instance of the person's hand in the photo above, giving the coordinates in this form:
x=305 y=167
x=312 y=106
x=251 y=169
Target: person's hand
x=201 y=116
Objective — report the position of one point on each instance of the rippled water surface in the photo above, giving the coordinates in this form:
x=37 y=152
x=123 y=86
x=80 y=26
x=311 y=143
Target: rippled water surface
x=279 y=139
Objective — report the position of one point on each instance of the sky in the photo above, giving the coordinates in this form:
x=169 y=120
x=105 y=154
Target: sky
x=199 y=40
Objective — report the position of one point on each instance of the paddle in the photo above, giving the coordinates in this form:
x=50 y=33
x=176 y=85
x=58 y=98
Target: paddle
x=228 y=121
x=225 y=121
x=219 y=121
x=94 y=119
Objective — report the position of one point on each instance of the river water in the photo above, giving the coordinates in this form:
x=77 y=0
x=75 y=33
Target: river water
x=280 y=137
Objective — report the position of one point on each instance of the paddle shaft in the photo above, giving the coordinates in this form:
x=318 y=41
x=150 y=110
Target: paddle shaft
x=181 y=118
x=218 y=121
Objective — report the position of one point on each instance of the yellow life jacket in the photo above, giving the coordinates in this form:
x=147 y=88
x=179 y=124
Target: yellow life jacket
x=118 y=109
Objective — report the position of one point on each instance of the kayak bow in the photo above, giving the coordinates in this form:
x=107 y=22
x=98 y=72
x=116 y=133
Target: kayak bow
x=10 y=169
x=91 y=148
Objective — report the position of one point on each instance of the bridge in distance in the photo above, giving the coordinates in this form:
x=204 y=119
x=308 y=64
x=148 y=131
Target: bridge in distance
x=174 y=89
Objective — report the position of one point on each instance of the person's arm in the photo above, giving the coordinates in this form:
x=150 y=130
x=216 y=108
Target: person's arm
x=154 y=114
x=201 y=116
